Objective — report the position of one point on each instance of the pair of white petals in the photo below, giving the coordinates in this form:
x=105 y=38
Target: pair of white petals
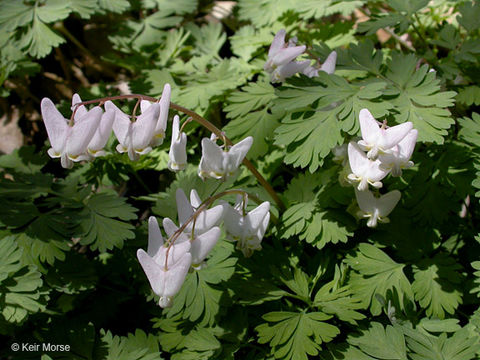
x=378 y=140
x=218 y=163
x=281 y=65
x=388 y=150
x=177 y=156
x=205 y=220
x=91 y=129
x=137 y=138
x=376 y=209
x=166 y=277
x=86 y=138
x=248 y=230
x=166 y=273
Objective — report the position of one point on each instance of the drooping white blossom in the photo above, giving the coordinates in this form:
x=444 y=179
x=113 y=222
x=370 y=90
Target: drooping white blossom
x=205 y=220
x=201 y=244
x=69 y=143
x=218 y=163
x=285 y=71
x=104 y=129
x=280 y=62
x=134 y=137
x=364 y=170
x=247 y=230
x=399 y=158
x=178 y=147
x=166 y=273
x=376 y=209
x=328 y=66
x=377 y=139
x=161 y=126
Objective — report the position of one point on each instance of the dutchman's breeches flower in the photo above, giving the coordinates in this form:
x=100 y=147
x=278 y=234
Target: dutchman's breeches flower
x=161 y=125
x=201 y=244
x=376 y=209
x=248 y=230
x=280 y=62
x=364 y=170
x=104 y=129
x=178 y=147
x=69 y=143
x=218 y=163
x=205 y=220
x=134 y=137
x=166 y=275
x=400 y=157
x=328 y=66
x=379 y=140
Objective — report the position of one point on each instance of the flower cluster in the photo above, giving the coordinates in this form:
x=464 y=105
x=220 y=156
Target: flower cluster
x=281 y=55
x=166 y=263
x=388 y=150
x=84 y=136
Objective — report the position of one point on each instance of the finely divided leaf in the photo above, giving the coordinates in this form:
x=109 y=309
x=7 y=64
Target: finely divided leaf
x=419 y=99
x=138 y=346
x=436 y=285
x=251 y=114
x=381 y=343
x=377 y=274
x=295 y=335
x=104 y=225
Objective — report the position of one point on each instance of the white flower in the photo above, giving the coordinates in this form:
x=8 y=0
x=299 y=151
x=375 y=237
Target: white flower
x=376 y=209
x=284 y=71
x=161 y=126
x=400 y=157
x=219 y=163
x=201 y=245
x=248 y=230
x=104 y=129
x=165 y=276
x=280 y=62
x=340 y=155
x=378 y=140
x=134 y=137
x=205 y=220
x=328 y=66
x=281 y=53
x=364 y=170
x=178 y=147
x=69 y=143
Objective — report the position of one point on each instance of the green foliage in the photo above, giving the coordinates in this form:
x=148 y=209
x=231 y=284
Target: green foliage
x=469 y=95
x=20 y=285
x=323 y=285
x=381 y=342
x=201 y=296
x=251 y=114
x=418 y=98
x=460 y=346
x=375 y=273
x=469 y=13
x=137 y=346
x=295 y=335
x=340 y=301
x=436 y=285
x=100 y=227
x=400 y=18
x=224 y=76
x=336 y=105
